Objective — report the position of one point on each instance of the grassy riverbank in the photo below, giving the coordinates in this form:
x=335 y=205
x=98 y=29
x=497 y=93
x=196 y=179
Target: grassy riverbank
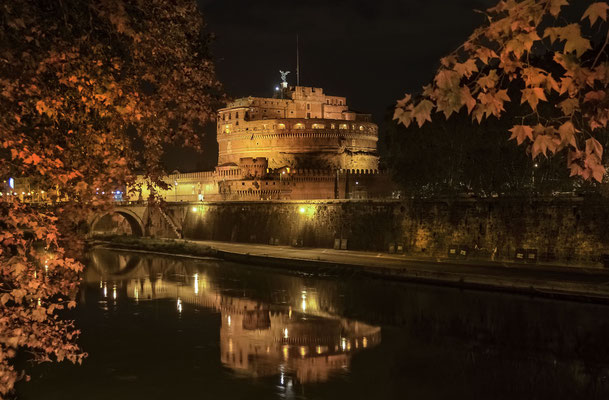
x=168 y=246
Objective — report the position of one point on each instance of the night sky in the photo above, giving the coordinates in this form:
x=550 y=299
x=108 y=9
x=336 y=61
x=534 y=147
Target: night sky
x=371 y=51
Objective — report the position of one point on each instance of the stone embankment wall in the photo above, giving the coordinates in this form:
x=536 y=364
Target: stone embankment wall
x=570 y=230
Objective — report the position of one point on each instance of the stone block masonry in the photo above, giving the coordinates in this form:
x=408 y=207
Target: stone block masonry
x=568 y=230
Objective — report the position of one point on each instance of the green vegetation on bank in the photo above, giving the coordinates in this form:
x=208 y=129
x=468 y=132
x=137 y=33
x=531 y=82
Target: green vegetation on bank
x=171 y=246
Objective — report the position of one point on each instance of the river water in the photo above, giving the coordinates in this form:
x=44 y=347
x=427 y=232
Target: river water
x=176 y=328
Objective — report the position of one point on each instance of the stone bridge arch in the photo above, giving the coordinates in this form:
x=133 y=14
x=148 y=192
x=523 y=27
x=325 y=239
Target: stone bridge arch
x=133 y=219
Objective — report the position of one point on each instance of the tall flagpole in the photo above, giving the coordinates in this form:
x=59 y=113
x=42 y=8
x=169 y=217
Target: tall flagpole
x=297 y=64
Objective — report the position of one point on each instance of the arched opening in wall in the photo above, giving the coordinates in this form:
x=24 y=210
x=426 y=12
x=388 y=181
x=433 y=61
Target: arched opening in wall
x=117 y=223
x=110 y=265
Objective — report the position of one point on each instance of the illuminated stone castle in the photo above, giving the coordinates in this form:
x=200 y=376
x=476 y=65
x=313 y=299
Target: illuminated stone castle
x=299 y=145
x=304 y=129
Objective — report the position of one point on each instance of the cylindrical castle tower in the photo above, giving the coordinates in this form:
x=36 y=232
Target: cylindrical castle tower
x=306 y=129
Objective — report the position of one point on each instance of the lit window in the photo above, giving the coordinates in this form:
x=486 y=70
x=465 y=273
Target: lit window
x=299 y=126
x=361 y=127
x=281 y=126
x=343 y=126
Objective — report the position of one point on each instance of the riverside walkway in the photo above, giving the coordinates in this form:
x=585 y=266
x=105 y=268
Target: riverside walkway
x=568 y=282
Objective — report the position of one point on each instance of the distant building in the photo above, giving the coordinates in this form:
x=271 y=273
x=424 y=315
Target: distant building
x=300 y=145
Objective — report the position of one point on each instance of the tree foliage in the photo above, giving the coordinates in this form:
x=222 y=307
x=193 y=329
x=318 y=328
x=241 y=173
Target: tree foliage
x=453 y=157
x=90 y=92
x=503 y=52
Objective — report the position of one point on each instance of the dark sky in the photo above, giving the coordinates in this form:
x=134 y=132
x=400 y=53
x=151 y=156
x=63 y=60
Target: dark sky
x=371 y=51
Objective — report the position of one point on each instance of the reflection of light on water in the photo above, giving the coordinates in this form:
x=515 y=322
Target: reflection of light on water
x=101 y=283
x=305 y=346
x=39 y=303
x=304 y=301
x=114 y=292
x=290 y=313
x=281 y=379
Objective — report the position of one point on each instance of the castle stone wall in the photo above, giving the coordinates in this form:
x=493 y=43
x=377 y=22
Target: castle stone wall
x=572 y=231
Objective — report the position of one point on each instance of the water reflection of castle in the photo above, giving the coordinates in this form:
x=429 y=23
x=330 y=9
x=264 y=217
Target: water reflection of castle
x=257 y=339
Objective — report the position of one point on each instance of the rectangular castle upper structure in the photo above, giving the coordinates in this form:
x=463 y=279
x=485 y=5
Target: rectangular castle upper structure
x=293 y=102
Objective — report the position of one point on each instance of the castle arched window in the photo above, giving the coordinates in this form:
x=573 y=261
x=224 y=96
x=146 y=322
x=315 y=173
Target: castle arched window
x=237 y=115
x=280 y=126
x=361 y=127
x=343 y=126
x=318 y=126
x=299 y=126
